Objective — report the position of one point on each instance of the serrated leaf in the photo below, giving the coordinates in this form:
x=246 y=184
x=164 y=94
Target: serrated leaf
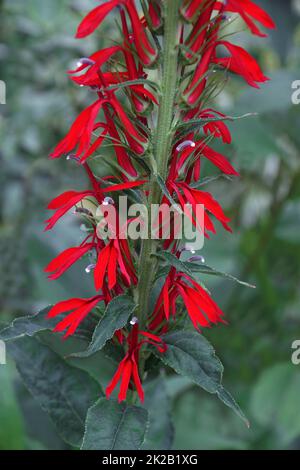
x=115 y=318
x=114 y=426
x=176 y=263
x=128 y=83
x=191 y=268
x=28 y=326
x=64 y=392
x=31 y=325
x=166 y=192
x=192 y=356
x=179 y=265
x=205 y=269
x=229 y=401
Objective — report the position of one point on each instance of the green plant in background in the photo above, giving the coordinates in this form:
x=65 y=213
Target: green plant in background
x=264 y=322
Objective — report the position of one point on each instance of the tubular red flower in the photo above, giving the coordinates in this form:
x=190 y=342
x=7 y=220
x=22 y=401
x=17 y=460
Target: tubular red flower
x=80 y=133
x=78 y=308
x=242 y=63
x=64 y=203
x=115 y=255
x=66 y=259
x=202 y=310
x=128 y=367
x=93 y=20
x=249 y=11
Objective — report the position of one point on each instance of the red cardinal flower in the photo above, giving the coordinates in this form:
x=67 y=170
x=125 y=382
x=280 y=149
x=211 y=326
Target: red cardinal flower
x=187 y=195
x=80 y=133
x=128 y=368
x=113 y=258
x=241 y=63
x=93 y=20
x=197 y=151
x=203 y=311
x=63 y=203
x=250 y=12
x=66 y=259
x=78 y=308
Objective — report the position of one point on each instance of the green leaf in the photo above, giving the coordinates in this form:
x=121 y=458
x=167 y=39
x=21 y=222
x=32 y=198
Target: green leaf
x=205 y=269
x=160 y=434
x=191 y=268
x=28 y=326
x=115 y=317
x=128 y=83
x=192 y=356
x=166 y=192
x=176 y=263
x=114 y=426
x=33 y=324
x=64 y=392
x=194 y=124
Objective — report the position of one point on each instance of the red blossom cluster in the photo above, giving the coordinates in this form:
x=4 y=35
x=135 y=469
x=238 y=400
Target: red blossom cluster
x=123 y=115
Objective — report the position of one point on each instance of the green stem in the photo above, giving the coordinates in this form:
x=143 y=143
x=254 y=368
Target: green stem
x=162 y=148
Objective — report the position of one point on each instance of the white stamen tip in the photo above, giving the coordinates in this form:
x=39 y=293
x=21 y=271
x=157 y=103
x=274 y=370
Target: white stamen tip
x=185 y=144
x=108 y=201
x=134 y=321
x=89 y=268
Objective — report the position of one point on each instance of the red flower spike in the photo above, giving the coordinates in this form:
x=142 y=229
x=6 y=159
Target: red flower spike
x=128 y=127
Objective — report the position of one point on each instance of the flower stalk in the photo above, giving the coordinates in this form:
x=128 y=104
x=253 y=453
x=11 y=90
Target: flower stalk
x=161 y=146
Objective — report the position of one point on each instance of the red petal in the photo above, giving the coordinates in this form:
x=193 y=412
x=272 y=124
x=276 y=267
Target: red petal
x=95 y=18
x=125 y=380
x=68 y=257
x=101 y=266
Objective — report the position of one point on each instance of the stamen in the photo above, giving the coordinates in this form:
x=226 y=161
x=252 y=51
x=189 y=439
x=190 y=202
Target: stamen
x=185 y=144
x=108 y=201
x=85 y=61
x=82 y=210
x=72 y=156
x=90 y=268
x=134 y=321
x=197 y=258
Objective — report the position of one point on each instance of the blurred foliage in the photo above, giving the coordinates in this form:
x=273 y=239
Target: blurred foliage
x=36 y=47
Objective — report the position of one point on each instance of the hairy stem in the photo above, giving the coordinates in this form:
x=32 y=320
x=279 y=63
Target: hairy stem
x=162 y=148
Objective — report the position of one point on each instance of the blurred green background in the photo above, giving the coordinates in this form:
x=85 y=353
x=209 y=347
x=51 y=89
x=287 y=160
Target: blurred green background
x=36 y=47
